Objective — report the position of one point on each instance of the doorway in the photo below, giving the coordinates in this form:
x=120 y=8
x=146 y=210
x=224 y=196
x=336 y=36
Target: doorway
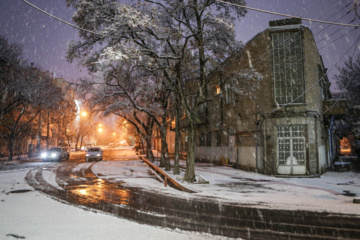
x=291 y=150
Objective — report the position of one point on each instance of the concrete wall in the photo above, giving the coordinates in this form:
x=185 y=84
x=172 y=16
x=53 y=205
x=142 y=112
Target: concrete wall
x=213 y=154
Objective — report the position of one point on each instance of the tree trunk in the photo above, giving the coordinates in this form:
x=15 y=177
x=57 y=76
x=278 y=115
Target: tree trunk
x=47 y=130
x=81 y=141
x=162 y=158
x=149 y=153
x=76 y=142
x=190 y=161
x=164 y=162
x=11 y=147
x=38 y=137
x=177 y=139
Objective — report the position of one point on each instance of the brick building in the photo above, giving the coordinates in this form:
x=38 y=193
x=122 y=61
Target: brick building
x=279 y=127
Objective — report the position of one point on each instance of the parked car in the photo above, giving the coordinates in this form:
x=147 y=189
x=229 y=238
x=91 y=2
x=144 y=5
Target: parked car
x=94 y=153
x=56 y=154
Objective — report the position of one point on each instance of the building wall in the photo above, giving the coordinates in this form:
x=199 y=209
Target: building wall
x=254 y=117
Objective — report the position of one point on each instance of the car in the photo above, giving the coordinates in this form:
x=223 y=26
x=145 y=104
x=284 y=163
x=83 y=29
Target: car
x=56 y=154
x=94 y=153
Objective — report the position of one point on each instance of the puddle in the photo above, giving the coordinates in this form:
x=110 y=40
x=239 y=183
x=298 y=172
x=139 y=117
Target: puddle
x=20 y=191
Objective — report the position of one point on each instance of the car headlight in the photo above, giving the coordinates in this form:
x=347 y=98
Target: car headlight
x=87 y=155
x=98 y=155
x=44 y=155
x=53 y=155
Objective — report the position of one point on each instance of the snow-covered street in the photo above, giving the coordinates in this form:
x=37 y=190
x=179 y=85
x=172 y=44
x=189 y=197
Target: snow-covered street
x=28 y=214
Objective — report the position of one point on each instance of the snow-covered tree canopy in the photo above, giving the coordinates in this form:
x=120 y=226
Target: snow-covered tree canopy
x=22 y=83
x=348 y=79
x=181 y=40
x=171 y=36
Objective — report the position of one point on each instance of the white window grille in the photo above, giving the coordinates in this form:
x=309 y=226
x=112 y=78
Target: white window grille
x=291 y=145
x=288 y=67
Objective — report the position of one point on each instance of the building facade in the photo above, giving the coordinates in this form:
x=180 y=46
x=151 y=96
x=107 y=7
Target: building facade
x=275 y=125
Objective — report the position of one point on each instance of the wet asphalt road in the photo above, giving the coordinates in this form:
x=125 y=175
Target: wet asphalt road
x=78 y=185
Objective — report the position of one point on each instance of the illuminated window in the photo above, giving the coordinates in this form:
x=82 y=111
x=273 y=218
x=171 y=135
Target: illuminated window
x=217 y=89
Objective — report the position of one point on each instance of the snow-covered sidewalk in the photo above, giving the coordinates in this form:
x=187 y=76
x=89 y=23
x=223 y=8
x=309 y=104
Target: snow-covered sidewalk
x=28 y=214
x=234 y=186
x=33 y=215
x=325 y=193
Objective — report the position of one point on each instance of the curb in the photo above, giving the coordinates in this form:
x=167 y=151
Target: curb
x=167 y=179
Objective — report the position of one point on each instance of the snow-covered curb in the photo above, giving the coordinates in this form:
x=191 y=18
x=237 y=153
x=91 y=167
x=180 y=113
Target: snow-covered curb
x=32 y=215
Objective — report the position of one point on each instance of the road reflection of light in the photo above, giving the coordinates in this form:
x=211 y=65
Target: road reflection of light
x=99 y=191
x=100 y=182
x=82 y=191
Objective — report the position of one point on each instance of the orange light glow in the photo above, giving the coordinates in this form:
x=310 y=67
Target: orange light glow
x=84 y=114
x=100 y=130
x=218 y=90
x=345 y=147
x=83 y=191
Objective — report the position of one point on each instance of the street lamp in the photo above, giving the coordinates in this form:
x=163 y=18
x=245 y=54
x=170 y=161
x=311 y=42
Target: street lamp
x=84 y=114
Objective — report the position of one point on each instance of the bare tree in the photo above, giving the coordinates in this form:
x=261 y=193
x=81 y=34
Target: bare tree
x=348 y=80
x=26 y=91
x=184 y=40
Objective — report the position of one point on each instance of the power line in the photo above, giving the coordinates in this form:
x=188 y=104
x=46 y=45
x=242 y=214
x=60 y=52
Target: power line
x=320 y=78
x=290 y=16
x=336 y=19
x=337 y=39
x=333 y=23
x=63 y=21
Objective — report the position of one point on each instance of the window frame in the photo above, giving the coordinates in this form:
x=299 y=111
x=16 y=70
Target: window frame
x=291 y=143
x=288 y=67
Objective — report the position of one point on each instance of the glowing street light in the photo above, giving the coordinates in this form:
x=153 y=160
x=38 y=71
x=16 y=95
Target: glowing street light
x=100 y=130
x=84 y=114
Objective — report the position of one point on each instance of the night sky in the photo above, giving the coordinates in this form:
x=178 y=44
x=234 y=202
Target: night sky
x=45 y=39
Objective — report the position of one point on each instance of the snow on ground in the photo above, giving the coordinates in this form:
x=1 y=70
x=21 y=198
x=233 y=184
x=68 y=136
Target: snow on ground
x=314 y=194
x=235 y=186
x=36 y=216
x=32 y=215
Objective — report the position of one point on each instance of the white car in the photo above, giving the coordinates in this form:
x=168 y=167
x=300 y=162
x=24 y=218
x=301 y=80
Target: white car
x=56 y=154
x=94 y=153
